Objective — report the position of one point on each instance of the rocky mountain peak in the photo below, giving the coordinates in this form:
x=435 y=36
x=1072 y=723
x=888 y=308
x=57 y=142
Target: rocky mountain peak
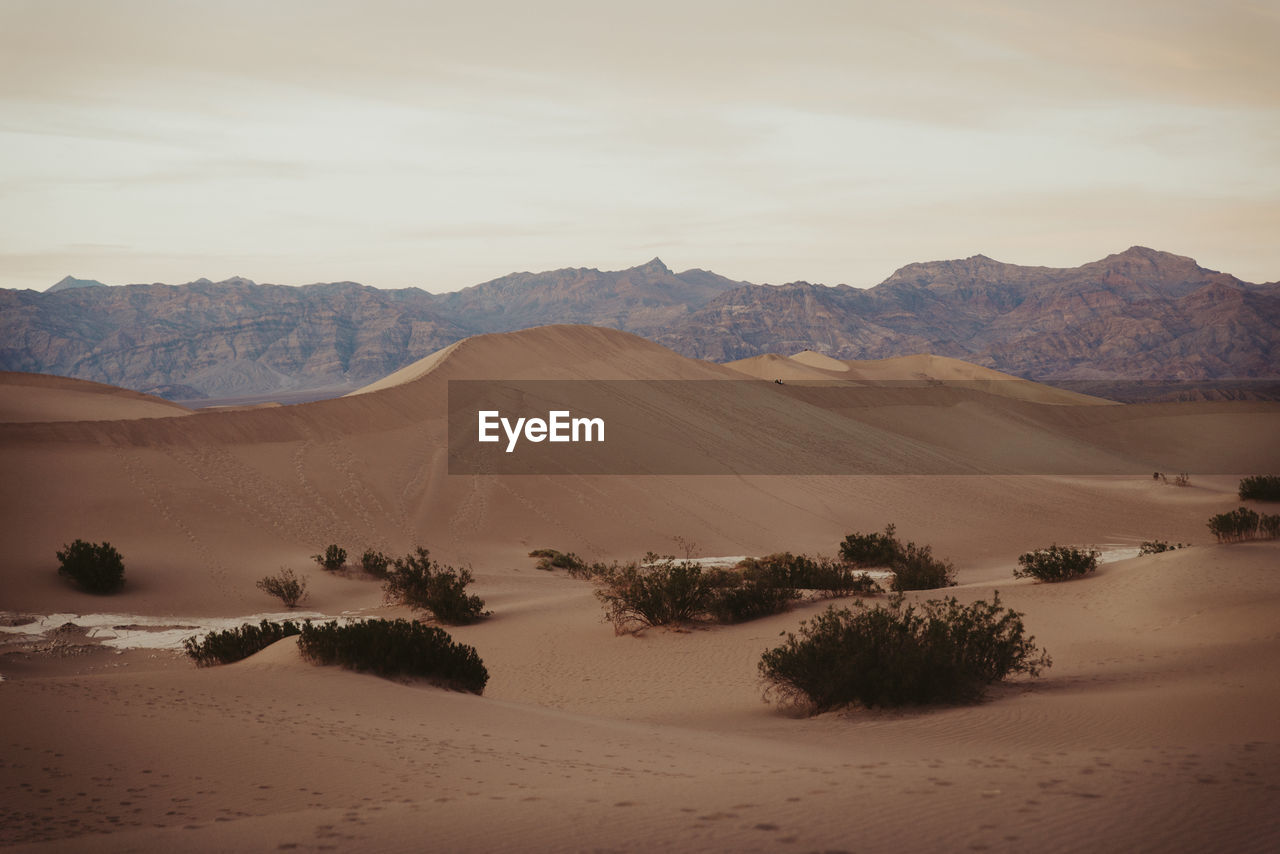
x=69 y=282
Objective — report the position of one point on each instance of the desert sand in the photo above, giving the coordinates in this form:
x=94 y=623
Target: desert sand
x=1154 y=730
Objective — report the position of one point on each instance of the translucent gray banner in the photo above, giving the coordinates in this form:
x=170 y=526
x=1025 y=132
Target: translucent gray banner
x=761 y=427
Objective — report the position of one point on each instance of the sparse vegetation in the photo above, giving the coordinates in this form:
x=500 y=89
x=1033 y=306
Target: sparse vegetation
x=94 y=567
x=1244 y=524
x=822 y=574
x=235 y=644
x=333 y=559
x=659 y=592
x=423 y=583
x=396 y=648
x=914 y=567
x=550 y=559
x=1260 y=487
x=285 y=586
x=1155 y=547
x=742 y=599
x=1057 y=563
x=917 y=569
x=870 y=550
x=899 y=654
x=374 y=563
x=1182 y=479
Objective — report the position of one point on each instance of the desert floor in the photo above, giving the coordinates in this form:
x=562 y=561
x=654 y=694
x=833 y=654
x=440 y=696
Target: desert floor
x=1156 y=728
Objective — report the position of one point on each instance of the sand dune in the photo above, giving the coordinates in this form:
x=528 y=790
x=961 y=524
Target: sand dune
x=1154 y=730
x=41 y=397
x=817 y=368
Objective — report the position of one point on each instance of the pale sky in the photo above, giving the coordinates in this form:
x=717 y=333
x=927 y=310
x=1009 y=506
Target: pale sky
x=442 y=145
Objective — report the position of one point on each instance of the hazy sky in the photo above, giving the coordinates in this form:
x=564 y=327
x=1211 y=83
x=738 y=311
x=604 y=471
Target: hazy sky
x=441 y=145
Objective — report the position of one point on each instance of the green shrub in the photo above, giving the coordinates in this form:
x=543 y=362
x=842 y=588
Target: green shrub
x=425 y=584
x=550 y=559
x=749 y=600
x=333 y=559
x=1233 y=526
x=234 y=644
x=374 y=563
x=1155 y=547
x=895 y=655
x=285 y=586
x=1260 y=487
x=95 y=567
x=917 y=569
x=396 y=648
x=659 y=592
x=1244 y=524
x=802 y=572
x=868 y=550
x=1057 y=563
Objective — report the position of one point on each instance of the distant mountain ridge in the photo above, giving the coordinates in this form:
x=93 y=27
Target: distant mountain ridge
x=1138 y=314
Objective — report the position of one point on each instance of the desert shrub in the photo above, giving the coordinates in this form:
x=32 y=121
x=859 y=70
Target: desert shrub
x=374 y=563
x=867 y=550
x=899 y=654
x=1182 y=479
x=917 y=569
x=1057 y=563
x=234 y=644
x=659 y=591
x=1155 y=547
x=1260 y=487
x=396 y=648
x=95 y=567
x=285 y=586
x=333 y=559
x=1233 y=526
x=425 y=584
x=750 y=600
x=828 y=577
x=1244 y=524
x=550 y=559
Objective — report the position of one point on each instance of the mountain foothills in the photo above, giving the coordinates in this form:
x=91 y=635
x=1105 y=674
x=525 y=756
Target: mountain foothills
x=1137 y=315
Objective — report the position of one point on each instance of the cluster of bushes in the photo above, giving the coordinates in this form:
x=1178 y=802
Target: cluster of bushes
x=424 y=584
x=285 y=586
x=372 y=562
x=1155 y=547
x=1244 y=524
x=899 y=654
x=1260 y=487
x=332 y=559
x=914 y=567
x=1057 y=563
x=660 y=590
x=234 y=644
x=1182 y=479
x=825 y=576
x=392 y=648
x=381 y=647
x=94 y=567
x=550 y=559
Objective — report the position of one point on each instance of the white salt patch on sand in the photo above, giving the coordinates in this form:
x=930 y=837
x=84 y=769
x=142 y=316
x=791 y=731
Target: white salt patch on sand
x=132 y=631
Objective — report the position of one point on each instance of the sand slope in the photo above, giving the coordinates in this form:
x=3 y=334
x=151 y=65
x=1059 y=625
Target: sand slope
x=41 y=397
x=1154 y=730
x=203 y=506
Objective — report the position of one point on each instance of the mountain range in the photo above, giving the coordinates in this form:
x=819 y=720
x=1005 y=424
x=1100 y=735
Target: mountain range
x=1140 y=314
